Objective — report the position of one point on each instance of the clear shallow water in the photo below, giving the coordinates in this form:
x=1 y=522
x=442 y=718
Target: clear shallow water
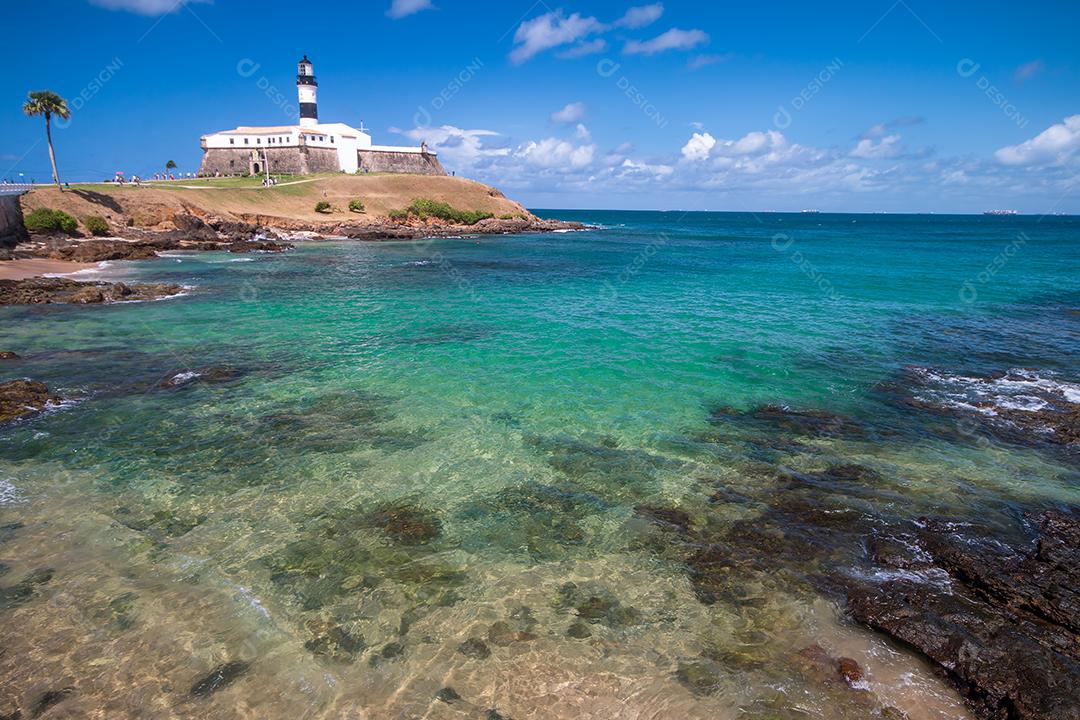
x=421 y=444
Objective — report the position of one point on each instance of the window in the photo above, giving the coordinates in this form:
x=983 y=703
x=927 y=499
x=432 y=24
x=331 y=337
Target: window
x=258 y=141
x=331 y=138
x=245 y=141
x=232 y=141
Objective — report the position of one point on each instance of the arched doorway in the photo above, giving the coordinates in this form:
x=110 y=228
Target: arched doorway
x=255 y=170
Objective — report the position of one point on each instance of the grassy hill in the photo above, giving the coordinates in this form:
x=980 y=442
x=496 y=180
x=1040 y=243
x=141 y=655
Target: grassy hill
x=291 y=202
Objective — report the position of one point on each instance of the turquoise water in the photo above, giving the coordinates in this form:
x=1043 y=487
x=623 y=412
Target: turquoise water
x=409 y=446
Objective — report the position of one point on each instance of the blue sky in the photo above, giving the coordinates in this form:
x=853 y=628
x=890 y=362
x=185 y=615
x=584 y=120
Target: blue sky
x=888 y=105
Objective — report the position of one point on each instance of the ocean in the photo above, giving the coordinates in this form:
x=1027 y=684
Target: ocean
x=475 y=475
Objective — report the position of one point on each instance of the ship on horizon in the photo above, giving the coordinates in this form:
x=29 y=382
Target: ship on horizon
x=1001 y=212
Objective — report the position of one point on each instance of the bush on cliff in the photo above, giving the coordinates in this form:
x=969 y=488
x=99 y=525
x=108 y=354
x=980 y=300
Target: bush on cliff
x=44 y=220
x=322 y=207
x=424 y=208
x=96 y=225
x=356 y=206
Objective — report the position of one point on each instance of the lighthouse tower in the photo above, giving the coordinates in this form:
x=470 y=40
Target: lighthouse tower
x=307 y=88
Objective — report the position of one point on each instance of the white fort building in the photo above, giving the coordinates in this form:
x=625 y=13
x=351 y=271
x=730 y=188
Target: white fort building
x=309 y=147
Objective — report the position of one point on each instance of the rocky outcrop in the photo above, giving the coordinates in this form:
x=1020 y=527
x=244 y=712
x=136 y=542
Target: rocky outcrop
x=92 y=251
x=416 y=230
x=41 y=291
x=12 y=230
x=19 y=398
x=1001 y=622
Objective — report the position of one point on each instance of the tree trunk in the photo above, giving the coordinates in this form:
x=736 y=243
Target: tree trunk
x=52 y=155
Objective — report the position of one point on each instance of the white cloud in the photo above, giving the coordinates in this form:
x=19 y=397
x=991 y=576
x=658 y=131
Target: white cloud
x=572 y=113
x=886 y=147
x=144 y=7
x=456 y=146
x=551 y=30
x=752 y=143
x=1054 y=145
x=402 y=8
x=582 y=49
x=639 y=17
x=582 y=133
x=673 y=39
x=698 y=146
x=699 y=61
x=1028 y=70
x=552 y=153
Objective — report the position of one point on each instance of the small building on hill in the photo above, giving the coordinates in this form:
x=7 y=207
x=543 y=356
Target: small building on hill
x=310 y=146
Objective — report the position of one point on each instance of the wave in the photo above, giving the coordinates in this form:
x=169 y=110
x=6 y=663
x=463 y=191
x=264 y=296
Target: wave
x=9 y=494
x=1018 y=389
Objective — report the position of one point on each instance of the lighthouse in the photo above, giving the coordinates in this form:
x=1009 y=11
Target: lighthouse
x=307 y=89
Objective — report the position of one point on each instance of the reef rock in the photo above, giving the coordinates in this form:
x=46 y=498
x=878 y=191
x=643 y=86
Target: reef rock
x=19 y=398
x=1001 y=622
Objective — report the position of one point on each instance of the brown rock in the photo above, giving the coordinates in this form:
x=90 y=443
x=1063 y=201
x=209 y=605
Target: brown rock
x=87 y=296
x=7 y=355
x=1000 y=621
x=19 y=398
x=849 y=670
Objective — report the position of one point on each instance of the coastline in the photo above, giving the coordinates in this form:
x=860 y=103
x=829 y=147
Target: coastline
x=26 y=268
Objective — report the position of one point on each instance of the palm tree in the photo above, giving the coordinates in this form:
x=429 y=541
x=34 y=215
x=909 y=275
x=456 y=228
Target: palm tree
x=48 y=103
x=170 y=165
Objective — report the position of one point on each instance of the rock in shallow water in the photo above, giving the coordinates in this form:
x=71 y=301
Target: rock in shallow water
x=475 y=648
x=1001 y=622
x=45 y=291
x=19 y=398
x=218 y=678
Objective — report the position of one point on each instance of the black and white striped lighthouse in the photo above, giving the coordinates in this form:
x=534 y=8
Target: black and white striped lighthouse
x=307 y=88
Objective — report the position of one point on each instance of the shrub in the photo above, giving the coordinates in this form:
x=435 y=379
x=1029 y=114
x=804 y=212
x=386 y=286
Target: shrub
x=399 y=214
x=424 y=208
x=48 y=220
x=322 y=206
x=356 y=206
x=96 y=225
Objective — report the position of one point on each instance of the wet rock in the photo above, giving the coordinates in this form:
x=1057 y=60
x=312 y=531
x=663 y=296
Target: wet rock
x=120 y=609
x=48 y=699
x=850 y=671
x=475 y=649
x=1000 y=620
x=392 y=650
x=595 y=604
x=332 y=641
x=668 y=518
x=259 y=246
x=8 y=355
x=701 y=677
x=447 y=695
x=19 y=398
x=543 y=520
x=503 y=634
x=221 y=676
x=811 y=422
x=579 y=631
x=87 y=296
x=44 y=291
x=95 y=251
x=407 y=524
x=160 y=525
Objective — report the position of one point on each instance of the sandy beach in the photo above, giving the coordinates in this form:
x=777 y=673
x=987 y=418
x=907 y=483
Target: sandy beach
x=33 y=267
